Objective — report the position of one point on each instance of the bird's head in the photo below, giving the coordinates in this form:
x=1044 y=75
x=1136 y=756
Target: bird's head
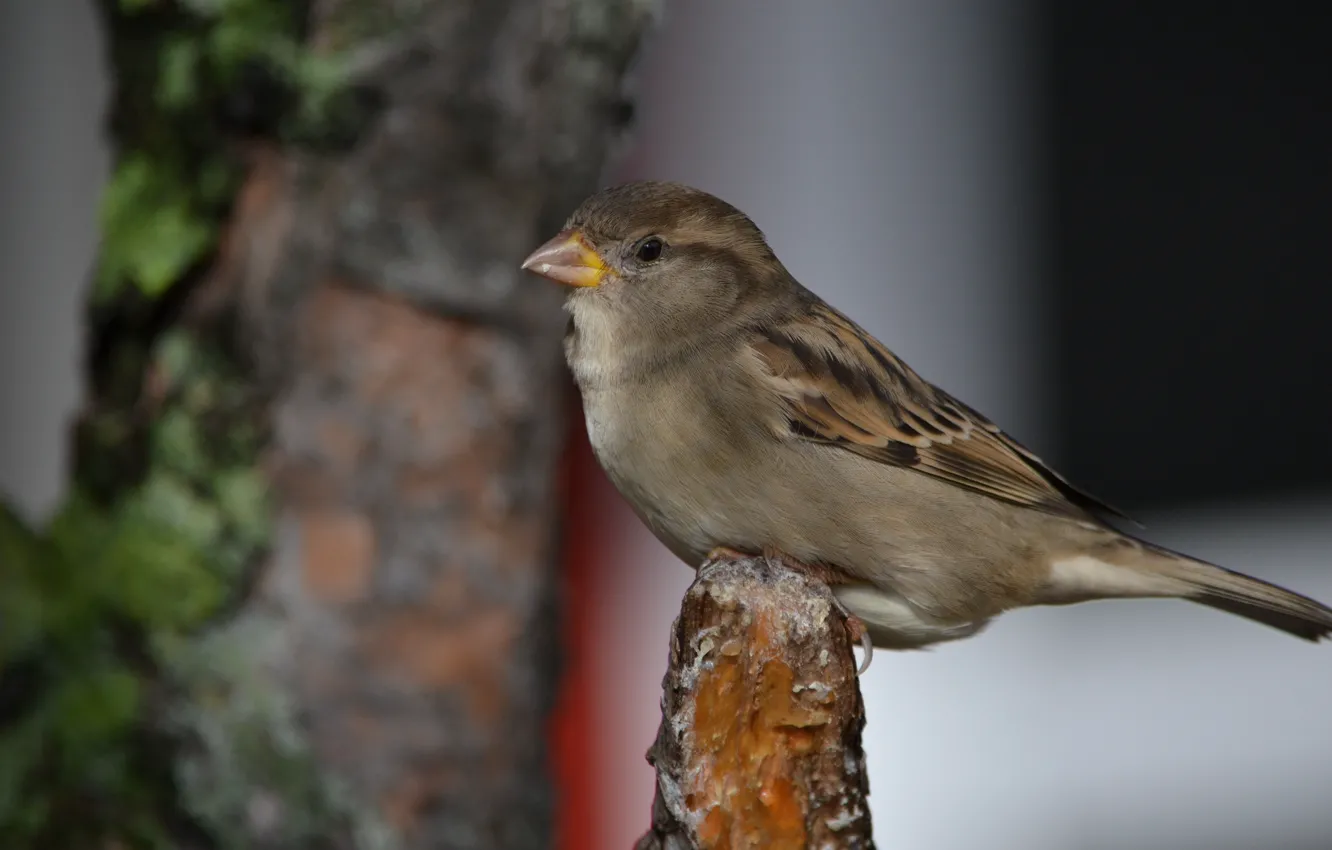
x=662 y=255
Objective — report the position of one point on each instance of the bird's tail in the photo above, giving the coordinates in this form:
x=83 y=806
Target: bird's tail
x=1126 y=567
x=1249 y=597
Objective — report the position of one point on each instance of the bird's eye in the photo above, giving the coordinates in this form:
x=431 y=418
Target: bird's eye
x=649 y=249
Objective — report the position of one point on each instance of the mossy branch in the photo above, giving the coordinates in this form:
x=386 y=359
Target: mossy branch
x=760 y=737
x=169 y=512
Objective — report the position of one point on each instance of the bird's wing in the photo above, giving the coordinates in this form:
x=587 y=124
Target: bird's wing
x=841 y=387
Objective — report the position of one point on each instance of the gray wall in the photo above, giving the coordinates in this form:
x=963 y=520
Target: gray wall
x=52 y=163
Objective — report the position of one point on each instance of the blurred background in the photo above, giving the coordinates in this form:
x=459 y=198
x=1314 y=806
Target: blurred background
x=1106 y=225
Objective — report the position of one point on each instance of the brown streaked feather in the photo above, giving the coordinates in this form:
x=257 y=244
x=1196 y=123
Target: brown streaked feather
x=843 y=388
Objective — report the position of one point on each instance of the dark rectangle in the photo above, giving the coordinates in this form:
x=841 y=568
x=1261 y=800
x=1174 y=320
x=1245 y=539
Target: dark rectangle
x=1190 y=209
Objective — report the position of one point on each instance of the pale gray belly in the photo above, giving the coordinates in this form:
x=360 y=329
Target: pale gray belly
x=698 y=483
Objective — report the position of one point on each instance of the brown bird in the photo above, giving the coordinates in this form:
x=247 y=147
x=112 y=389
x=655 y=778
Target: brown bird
x=736 y=410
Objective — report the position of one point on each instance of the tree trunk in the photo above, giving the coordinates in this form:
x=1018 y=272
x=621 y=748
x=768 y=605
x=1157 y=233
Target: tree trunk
x=759 y=745
x=314 y=524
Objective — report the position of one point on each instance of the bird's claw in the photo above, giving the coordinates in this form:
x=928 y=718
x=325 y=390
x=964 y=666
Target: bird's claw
x=725 y=553
x=859 y=632
x=775 y=559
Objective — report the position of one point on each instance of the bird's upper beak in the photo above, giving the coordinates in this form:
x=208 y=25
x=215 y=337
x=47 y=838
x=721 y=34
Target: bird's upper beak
x=569 y=259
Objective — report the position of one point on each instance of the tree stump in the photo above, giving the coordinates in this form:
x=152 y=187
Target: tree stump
x=760 y=738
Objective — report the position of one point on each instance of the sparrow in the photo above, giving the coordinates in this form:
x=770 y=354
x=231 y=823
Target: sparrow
x=739 y=413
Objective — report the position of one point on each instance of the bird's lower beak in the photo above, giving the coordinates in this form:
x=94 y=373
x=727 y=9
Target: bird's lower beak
x=568 y=259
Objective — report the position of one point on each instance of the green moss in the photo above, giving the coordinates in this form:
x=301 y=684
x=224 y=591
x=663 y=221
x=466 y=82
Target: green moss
x=154 y=227
x=90 y=711
x=91 y=597
x=22 y=553
x=71 y=700
x=130 y=716
x=192 y=75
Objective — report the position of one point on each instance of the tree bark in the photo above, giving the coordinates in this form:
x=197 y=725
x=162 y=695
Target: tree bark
x=314 y=521
x=760 y=738
x=421 y=405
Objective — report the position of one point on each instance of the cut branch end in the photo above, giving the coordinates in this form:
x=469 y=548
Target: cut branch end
x=760 y=739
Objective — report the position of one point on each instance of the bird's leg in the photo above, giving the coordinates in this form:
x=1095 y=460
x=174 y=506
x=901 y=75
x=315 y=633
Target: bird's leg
x=854 y=625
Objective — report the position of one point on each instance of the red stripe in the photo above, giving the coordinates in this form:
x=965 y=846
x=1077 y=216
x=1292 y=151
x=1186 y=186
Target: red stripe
x=574 y=723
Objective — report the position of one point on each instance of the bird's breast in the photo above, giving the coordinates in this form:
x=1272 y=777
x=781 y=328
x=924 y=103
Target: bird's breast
x=665 y=448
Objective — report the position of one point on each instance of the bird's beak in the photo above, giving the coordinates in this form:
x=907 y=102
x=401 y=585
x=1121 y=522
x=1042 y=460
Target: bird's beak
x=568 y=259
